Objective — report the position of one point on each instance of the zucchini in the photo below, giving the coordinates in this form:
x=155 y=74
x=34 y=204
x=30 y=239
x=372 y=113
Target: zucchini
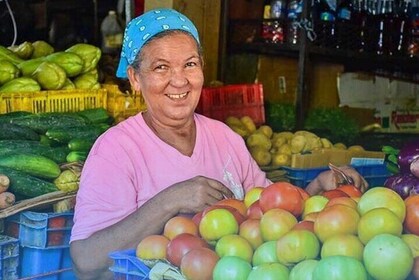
x=26 y=185
x=35 y=165
x=95 y=115
x=65 y=134
x=57 y=154
x=75 y=156
x=14 y=131
x=43 y=121
x=81 y=144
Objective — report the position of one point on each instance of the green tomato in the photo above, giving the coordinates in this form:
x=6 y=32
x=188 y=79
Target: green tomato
x=231 y=268
x=269 y=271
x=339 y=268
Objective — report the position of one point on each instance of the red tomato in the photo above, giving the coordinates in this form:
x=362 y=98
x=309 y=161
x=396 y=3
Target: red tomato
x=282 y=195
x=254 y=211
x=350 y=190
x=179 y=224
x=152 y=247
x=199 y=263
x=342 y=200
x=181 y=245
x=304 y=194
x=304 y=225
x=250 y=230
x=197 y=218
x=235 y=203
x=334 y=193
x=411 y=221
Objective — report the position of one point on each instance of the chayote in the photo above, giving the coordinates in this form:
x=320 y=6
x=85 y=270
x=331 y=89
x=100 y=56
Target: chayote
x=8 y=71
x=27 y=67
x=24 y=50
x=20 y=84
x=68 y=84
x=89 y=53
x=86 y=81
x=72 y=63
x=50 y=76
x=41 y=48
x=10 y=56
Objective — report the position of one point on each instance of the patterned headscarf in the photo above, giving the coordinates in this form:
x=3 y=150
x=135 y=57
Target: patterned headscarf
x=143 y=28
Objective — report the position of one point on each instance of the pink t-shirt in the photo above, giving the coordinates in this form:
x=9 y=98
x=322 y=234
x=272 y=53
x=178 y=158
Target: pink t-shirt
x=129 y=164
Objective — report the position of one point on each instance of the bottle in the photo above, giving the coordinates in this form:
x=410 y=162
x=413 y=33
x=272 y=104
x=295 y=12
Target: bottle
x=343 y=24
x=278 y=15
x=413 y=49
x=112 y=34
x=325 y=27
x=295 y=8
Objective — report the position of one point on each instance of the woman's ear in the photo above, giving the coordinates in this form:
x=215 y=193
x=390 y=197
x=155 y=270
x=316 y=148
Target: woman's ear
x=133 y=79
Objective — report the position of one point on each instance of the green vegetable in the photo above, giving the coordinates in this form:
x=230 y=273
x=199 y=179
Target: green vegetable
x=71 y=63
x=86 y=81
x=75 y=156
x=50 y=76
x=65 y=134
x=27 y=185
x=89 y=53
x=22 y=84
x=41 y=48
x=95 y=115
x=81 y=144
x=14 y=131
x=10 y=56
x=43 y=121
x=8 y=71
x=6 y=117
x=35 y=165
x=68 y=85
x=68 y=181
x=281 y=117
x=57 y=154
x=23 y=50
x=28 y=67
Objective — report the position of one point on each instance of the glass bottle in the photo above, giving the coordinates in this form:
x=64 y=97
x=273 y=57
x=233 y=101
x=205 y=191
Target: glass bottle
x=112 y=33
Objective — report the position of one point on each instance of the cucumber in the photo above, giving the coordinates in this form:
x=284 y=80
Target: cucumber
x=81 y=144
x=13 y=115
x=35 y=165
x=14 y=131
x=57 y=154
x=65 y=134
x=95 y=115
x=75 y=156
x=44 y=121
x=26 y=185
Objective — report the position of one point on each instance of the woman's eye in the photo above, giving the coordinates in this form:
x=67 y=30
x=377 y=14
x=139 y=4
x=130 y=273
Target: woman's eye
x=161 y=67
x=191 y=64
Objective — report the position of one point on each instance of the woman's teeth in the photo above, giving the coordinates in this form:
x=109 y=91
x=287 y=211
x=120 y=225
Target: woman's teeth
x=177 y=96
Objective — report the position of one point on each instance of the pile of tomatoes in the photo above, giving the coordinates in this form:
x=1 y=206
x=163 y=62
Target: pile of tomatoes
x=281 y=232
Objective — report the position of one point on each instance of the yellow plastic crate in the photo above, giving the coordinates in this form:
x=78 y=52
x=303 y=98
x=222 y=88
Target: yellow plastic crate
x=53 y=101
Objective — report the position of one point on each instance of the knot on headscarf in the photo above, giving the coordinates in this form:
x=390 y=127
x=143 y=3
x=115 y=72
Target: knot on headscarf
x=142 y=28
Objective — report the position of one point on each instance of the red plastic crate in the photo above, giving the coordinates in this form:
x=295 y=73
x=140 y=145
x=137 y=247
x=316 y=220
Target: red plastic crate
x=233 y=100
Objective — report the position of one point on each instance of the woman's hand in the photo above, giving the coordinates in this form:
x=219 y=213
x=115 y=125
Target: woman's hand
x=327 y=181
x=195 y=194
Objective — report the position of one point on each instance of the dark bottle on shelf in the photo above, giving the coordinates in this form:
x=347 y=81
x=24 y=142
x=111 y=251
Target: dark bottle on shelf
x=325 y=23
x=413 y=48
x=344 y=28
x=295 y=8
x=401 y=28
x=359 y=24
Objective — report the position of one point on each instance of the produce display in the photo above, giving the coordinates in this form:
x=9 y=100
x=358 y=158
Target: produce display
x=271 y=148
x=42 y=153
x=281 y=232
x=36 y=66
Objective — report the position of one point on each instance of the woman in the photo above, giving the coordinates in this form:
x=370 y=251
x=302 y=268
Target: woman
x=162 y=162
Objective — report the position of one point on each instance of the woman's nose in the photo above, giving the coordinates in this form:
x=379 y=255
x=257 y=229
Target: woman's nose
x=178 y=78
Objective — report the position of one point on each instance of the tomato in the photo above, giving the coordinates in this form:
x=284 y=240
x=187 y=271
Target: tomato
x=275 y=223
x=254 y=211
x=334 y=220
x=304 y=225
x=304 y=194
x=252 y=195
x=377 y=221
x=382 y=197
x=235 y=203
x=231 y=267
x=152 y=247
x=296 y=246
x=412 y=240
x=237 y=215
x=265 y=253
x=338 y=268
x=282 y=195
x=350 y=190
x=387 y=256
x=342 y=200
x=269 y=271
x=217 y=223
x=311 y=216
x=314 y=203
x=182 y=244
x=179 y=224
x=411 y=222
x=234 y=245
x=415 y=270
x=334 y=193
x=197 y=218
x=303 y=270
x=344 y=245
x=250 y=230
x=199 y=263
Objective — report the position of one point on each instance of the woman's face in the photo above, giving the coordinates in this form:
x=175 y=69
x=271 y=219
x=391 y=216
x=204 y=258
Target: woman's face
x=170 y=77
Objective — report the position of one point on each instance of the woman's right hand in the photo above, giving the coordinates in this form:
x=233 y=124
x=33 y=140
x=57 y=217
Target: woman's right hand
x=195 y=194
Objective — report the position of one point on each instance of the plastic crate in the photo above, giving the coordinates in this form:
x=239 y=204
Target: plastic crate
x=374 y=174
x=233 y=100
x=46 y=264
x=53 y=101
x=41 y=230
x=9 y=258
x=123 y=105
x=127 y=266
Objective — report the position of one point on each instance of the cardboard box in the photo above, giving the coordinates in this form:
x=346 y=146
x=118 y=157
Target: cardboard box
x=323 y=157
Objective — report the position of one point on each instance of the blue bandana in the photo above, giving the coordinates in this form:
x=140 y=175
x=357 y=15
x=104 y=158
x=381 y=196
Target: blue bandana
x=143 y=28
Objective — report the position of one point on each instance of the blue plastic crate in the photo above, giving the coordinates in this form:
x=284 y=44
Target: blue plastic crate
x=9 y=258
x=127 y=266
x=374 y=174
x=41 y=230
